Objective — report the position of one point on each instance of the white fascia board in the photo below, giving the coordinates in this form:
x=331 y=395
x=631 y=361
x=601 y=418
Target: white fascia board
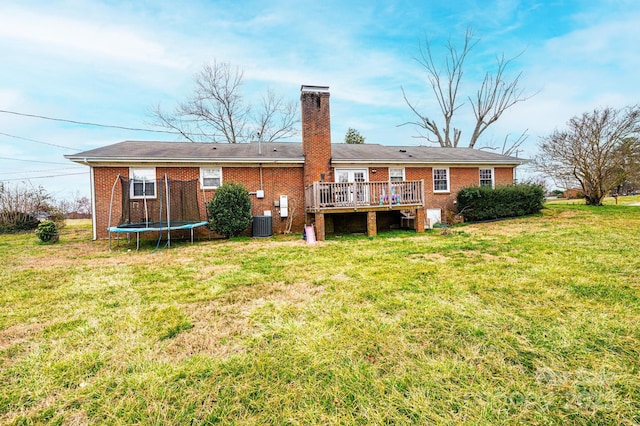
x=180 y=161
x=425 y=163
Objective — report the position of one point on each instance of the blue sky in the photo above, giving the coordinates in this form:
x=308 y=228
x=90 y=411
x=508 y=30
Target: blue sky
x=111 y=61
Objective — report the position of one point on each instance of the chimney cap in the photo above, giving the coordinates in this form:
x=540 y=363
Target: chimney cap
x=309 y=88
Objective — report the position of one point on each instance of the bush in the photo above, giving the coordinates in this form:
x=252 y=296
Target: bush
x=47 y=231
x=21 y=204
x=484 y=203
x=11 y=221
x=230 y=210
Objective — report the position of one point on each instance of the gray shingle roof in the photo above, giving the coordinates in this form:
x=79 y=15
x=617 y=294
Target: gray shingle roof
x=187 y=151
x=290 y=152
x=373 y=153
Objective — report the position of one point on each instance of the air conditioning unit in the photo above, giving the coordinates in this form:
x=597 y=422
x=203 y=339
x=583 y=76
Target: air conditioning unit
x=262 y=227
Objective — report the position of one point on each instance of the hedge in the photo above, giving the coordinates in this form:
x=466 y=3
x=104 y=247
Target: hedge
x=483 y=203
x=11 y=222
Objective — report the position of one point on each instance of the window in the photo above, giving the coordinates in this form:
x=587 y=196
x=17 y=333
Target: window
x=486 y=177
x=396 y=174
x=440 y=180
x=143 y=183
x=210 y=178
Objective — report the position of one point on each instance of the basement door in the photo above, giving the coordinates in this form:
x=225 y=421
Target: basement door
x=353 y=188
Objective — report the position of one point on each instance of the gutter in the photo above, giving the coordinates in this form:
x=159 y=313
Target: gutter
x=164 y=160
x=422 y=162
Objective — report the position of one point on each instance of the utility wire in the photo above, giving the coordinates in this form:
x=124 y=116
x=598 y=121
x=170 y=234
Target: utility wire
x=32 y=161
x=86 y=123
x=33 y=140
x=44 y=177
x=15 y=172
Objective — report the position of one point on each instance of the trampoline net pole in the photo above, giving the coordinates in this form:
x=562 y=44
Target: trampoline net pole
x=166 y=183
x=113 y=189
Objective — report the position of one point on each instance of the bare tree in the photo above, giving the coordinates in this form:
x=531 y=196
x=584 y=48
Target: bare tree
x=21 y=204
x=277 y=118
x=24 y=198
x=496 y=94
x=509 y=147
x=598 y=151
x=218 y=112
x=76 y=204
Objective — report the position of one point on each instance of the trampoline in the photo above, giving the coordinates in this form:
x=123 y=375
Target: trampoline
x=137 y=228
x=172 y=205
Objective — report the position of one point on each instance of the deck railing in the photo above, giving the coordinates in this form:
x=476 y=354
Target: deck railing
x=338 y=195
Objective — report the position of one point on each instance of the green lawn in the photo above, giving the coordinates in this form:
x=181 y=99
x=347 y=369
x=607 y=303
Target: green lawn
x=526 y=321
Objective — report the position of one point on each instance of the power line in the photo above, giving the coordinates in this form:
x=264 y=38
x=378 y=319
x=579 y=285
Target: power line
x=15 y=172
x=86 y=123
x=33 y=140
x=44 y=177
x=32 y=161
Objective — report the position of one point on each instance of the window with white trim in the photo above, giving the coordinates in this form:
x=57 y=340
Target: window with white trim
x=210 y=177
x=440 y=180
x=142 y=182
x=396 y=174
x=486 y=177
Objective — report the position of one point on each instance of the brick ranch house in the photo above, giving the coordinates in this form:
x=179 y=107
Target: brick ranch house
x=337 y=187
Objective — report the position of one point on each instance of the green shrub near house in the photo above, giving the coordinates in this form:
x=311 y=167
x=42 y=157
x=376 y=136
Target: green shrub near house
x=230 y=210
x=477 y=203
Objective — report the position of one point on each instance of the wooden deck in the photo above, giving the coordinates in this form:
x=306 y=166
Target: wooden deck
x=337 y=197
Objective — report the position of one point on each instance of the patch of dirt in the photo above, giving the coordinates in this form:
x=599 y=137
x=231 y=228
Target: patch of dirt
x=219 y=326
x=440 y=258
x=433 y=257
x=261 y=244
x=340 y=277
x=19 y=333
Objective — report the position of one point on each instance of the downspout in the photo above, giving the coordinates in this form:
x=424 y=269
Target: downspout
x=261 y=186
x=93 y=202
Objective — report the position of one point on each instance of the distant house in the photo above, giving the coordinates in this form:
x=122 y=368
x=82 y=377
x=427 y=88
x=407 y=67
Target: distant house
x=572 y=193
x=335 y=186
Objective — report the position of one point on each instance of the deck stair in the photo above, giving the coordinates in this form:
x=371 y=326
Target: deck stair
x=407 y=218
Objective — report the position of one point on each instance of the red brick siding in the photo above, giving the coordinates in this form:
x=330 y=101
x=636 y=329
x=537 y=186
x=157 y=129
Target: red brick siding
x=381 y=174
x=104 y=178
x=276 y=181
x=503 y=175
x=280 y=181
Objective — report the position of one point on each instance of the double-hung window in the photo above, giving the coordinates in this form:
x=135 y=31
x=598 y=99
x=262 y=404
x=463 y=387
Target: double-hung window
x=440 y=180
x=210 y=177
x=396 y=174
x=486 y=177
x=142 y=182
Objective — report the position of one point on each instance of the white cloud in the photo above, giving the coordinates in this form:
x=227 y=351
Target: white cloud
x=64 y=37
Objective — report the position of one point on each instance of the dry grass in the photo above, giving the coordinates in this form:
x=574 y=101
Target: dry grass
x=527 y=321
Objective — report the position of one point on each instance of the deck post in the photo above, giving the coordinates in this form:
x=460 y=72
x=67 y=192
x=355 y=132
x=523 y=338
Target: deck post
x=316 y=195
x=372 y=226
x=419 y=220
x=319 y=226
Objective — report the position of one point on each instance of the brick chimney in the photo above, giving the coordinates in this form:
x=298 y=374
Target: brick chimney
x=316 y=134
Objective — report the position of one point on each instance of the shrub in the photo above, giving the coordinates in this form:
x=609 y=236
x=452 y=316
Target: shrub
x=230 y=210
x=47 y=231
x=483 y=203
x=12 y=221
x=21 y=204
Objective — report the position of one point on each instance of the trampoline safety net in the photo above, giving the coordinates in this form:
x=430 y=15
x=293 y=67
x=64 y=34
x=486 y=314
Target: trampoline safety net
x=140 y=208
